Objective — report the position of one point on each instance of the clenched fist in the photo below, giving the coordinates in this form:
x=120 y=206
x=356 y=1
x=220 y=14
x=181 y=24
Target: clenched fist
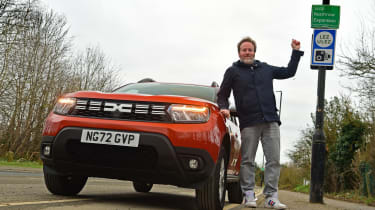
x=296 y=44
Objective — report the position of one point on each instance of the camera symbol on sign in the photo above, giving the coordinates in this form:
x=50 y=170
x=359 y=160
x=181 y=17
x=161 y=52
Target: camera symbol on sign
x=323 y=56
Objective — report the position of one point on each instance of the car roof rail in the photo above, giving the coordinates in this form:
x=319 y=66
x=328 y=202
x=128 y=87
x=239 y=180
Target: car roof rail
x=214 y=84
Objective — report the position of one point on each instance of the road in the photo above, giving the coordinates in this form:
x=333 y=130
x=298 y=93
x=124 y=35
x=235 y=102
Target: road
x=23 y=188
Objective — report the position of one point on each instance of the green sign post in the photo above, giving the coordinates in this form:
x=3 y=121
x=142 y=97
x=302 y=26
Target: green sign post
x=325 y=16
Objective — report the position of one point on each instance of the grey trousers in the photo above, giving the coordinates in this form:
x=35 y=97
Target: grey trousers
x=269 y=135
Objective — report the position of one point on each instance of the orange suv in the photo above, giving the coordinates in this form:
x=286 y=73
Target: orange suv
x=148 y=133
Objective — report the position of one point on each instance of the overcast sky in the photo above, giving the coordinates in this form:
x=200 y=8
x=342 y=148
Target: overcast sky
x=194 y=41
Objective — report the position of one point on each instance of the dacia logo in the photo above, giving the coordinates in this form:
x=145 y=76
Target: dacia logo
x=113 y=107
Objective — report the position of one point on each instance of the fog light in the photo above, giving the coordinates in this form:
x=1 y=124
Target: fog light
x=47 y=150
x=193 y=164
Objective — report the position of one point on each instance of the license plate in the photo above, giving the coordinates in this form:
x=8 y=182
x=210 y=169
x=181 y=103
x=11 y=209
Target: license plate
x=110 y=138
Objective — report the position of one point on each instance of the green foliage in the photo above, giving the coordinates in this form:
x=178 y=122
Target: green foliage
x=345 y=133
x=302 y=188
x=367 y=175
x=350 y=140
x=341 y=119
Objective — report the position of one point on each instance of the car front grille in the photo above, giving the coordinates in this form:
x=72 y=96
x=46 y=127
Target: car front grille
x=122 y=110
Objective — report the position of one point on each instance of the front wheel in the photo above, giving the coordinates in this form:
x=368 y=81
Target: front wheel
x=211 y=195
x=64 y=185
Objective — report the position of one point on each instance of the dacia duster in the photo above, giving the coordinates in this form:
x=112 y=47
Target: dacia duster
x=148 y=133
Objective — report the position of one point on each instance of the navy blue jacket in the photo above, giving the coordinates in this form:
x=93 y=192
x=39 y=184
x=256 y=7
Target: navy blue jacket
x=252 y=86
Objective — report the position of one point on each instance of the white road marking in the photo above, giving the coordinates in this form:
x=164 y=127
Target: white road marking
x=42 y=202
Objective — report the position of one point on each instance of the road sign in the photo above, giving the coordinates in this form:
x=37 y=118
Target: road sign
x=325 y=16
x=323 y=49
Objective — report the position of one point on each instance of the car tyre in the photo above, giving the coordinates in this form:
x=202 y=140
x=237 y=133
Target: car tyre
x=211 y=195
x=142 y=187
x=64 y=185
x=234 y=192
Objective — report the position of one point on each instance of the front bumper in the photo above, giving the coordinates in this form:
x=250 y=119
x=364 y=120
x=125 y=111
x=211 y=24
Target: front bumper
x=155 y=160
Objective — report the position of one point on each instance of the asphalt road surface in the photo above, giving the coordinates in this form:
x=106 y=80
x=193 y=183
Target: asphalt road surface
x=22 y=188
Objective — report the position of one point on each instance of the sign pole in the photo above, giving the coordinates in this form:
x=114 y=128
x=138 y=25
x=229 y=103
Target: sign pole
x=319 y=143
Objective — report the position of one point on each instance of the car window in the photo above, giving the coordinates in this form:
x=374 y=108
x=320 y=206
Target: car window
x=154 y=88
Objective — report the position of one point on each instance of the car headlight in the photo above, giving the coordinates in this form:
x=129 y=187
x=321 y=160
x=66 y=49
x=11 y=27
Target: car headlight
x=64 y=105
x=189 y=113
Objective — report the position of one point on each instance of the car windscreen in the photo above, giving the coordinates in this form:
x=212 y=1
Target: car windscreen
x=153 y=88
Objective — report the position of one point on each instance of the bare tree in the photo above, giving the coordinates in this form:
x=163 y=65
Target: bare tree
x=37 y=67
x=358 y=63
x=15 y=18
x=31 y=73
x=91 y=70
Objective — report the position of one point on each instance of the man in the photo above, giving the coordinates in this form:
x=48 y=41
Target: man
x=252 y=85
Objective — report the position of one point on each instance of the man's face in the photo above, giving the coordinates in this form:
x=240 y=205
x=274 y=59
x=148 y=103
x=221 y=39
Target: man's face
x=247 y=52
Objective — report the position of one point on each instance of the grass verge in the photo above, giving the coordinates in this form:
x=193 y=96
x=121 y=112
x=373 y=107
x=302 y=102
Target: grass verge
x=352 y=196
x=21 y=163
x=302 y=188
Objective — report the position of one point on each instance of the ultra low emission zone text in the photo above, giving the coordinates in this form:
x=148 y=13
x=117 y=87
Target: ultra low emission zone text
x=316 y=20
x=319 y=14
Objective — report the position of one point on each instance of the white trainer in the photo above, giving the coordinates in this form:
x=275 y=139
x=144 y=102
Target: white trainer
x=250 y=199
x=274 y=203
